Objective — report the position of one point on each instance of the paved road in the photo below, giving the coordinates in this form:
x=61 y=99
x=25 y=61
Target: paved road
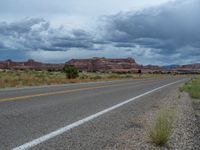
x=27 y=114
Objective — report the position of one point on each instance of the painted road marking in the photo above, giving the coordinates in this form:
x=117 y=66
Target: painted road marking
x=64 y=91
x=84 y=120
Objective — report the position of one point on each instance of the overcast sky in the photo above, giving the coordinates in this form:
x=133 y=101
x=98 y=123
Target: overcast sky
x=158 y=32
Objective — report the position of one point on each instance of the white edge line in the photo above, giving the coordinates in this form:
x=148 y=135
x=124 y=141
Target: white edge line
x=84 y=120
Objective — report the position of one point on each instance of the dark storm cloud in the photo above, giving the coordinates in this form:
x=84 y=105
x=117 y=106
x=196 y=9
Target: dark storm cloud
x=1 y=45
x=160 y=35
x=34 y=34
x=18 y=28
x=79 y=39
x=171 y=27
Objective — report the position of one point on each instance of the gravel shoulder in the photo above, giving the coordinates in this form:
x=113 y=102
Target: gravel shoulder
x=186 y=132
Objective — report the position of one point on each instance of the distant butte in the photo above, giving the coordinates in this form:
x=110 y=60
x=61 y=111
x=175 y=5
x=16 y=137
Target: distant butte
x=30 y=64
x=101 y=65
x=106 y=64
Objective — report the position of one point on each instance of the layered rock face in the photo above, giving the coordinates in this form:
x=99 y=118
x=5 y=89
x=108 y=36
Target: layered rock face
x=30 y=64
x=153 y=69
x=105 y=65
x=190 y=68
x=100 y=64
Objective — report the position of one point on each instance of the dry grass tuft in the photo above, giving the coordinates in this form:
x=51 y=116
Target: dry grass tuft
x=161 y=128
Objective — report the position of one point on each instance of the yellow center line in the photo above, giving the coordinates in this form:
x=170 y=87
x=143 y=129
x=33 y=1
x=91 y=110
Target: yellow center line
x=61 y=92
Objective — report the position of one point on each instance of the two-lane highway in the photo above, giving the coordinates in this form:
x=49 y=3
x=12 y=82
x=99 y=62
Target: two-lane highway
x=32 y=116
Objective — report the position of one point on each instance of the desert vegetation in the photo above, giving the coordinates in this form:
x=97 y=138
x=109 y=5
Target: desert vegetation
x=20 y=78
x=70 y=71
x=161 y=127
x=192 y=87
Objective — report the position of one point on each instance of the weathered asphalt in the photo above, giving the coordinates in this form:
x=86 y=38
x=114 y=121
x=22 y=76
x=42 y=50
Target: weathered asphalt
x=29 y=113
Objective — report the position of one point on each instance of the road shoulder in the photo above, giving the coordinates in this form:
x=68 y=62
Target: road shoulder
x=185 y=134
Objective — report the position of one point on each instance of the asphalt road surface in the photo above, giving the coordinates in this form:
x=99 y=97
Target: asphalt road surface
x=75 y=116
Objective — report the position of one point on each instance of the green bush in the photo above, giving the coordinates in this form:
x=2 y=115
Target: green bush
x=70 y=71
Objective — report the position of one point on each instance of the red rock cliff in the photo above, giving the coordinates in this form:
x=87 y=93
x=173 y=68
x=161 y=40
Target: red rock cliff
x=104 y=64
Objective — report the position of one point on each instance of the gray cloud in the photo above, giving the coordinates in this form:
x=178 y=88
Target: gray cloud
x=172 y=28
x=36 y=33
x=160 y=35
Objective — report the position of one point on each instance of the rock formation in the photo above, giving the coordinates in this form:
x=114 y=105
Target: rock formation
x=30 y=64
x=101 y=65
x=105 y=65
x=190 y=68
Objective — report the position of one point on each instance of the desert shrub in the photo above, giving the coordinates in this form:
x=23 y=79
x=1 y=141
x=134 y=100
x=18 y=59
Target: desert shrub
x=113 y=76
x=70 y=71
x=161 y=128
x=96 y=77
x=83 y=76
x=128 y=76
